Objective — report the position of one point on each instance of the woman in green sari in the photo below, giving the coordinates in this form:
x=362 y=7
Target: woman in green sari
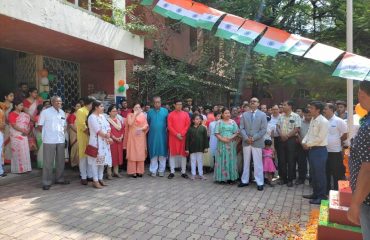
x=226 y=158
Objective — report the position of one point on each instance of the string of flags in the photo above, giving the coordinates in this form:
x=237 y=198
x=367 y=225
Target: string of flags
x=272 y=40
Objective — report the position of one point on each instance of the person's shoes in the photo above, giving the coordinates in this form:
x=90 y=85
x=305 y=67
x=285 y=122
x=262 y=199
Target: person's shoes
x=192 y=177
x=202 y=178
x=102 y=183
x=97 y=185
x=134 y=176
x=260 y=188
x=139 y=175
x=109 y=177
x=153 y=174
x=46 y=187
x=231 y=182
x=171 y=176
x=84 y=181
x=65 y=182
x=3 y=175
x=290 y=184
x=184 y=175
x=316 y=201
x=243 y=184
x=117 y=175
x=161 y=174
x=299 y=182
x=90 y=179
x=282 y=182
x=310 y=196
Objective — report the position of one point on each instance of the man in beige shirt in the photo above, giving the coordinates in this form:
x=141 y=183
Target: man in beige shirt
x=316 y=141
x=287 y=126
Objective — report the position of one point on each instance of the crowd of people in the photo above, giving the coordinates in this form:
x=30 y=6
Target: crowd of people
x=275 y=142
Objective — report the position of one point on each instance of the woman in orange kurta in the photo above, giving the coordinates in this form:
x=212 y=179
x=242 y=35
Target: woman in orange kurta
x=135 y=141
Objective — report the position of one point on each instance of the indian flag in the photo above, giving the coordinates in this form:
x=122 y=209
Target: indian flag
x=229 y=26
x=271 y=41
x=209 y=18
x=146 y=2
x=192 y=15
x=296 y=45
x=248 y=32
x=324 y=53
x=175 y=9
x=353 y=66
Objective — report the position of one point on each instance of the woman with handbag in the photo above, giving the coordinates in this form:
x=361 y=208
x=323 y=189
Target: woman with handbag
x=136 y=128
x=98 y=150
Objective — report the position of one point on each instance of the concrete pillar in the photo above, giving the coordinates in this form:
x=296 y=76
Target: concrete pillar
x=119 y=74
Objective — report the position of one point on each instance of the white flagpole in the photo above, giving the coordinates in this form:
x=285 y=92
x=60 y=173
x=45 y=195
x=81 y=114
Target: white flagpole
x=350 y=81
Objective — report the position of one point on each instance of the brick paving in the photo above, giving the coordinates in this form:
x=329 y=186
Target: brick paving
x=149 y=208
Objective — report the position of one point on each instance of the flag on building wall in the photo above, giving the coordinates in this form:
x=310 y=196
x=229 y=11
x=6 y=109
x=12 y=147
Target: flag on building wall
x=147 y=2
x=296 y=45
x=271 y=41
x=175 y=9
x=229 y=26
x=353 y=66
x=324 y=53
x=162 y=7
x=209 y=18
x=248 y=32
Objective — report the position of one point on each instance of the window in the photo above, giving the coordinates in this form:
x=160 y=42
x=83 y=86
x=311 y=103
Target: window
x=175 y=25
x=193 y=39
x=301 y=93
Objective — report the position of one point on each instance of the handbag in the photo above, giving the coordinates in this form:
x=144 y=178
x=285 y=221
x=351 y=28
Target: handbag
x=92 y=151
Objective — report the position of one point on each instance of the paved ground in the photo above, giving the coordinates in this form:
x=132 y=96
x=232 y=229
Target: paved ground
x=149 y=208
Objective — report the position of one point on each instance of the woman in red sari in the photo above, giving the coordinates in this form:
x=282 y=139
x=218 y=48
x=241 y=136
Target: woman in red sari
x=116 y=148
x=30 y=107
x=19 y=129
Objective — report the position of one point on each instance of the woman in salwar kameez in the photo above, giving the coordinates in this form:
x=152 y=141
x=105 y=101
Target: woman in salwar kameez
x=225 y=165
x=19 y=130
x=116 y=148
x=136 y=129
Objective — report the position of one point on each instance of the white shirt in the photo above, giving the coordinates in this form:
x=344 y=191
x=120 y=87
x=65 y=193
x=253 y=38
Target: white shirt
x=337 y=127
x=53 y=124
x=317 y=135
x=273 y=122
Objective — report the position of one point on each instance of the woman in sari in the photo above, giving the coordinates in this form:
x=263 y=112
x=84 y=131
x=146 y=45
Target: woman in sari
x=225 y=165
x=72 y=130
x=19 y=129
x=100 y=138
x=116 y=148
x=30 y=107
x=135 y=141
x=38 y=135
x=7 y=107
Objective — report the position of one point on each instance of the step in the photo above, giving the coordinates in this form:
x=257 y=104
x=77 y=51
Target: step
x=334 y=231
x=337 y=213
x=345 y=193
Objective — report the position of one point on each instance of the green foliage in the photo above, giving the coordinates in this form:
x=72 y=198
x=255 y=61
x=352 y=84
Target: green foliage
x=117 y=16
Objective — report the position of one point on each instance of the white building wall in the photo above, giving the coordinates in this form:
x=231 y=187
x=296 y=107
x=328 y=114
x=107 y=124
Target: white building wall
x=65 y=18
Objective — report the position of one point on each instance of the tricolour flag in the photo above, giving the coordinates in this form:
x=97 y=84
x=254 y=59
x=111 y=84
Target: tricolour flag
x=209 y=18
x=248 y=32
x=353 y=66
x=229 y=26
x=147 y=2
x=192 y=15
x=271 y=41
x=324 y=53
x=296 y=45
x=175 y=9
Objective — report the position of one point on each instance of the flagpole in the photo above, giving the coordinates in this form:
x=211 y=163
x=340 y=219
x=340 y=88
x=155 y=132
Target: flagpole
x=349 y=38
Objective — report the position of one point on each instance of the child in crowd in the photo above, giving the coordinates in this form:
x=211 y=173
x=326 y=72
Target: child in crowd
x=268 y=162
x=196 y=145
x=212 y=137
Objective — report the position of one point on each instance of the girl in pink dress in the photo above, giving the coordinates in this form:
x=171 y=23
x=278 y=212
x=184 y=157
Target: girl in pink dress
x=268 y=162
